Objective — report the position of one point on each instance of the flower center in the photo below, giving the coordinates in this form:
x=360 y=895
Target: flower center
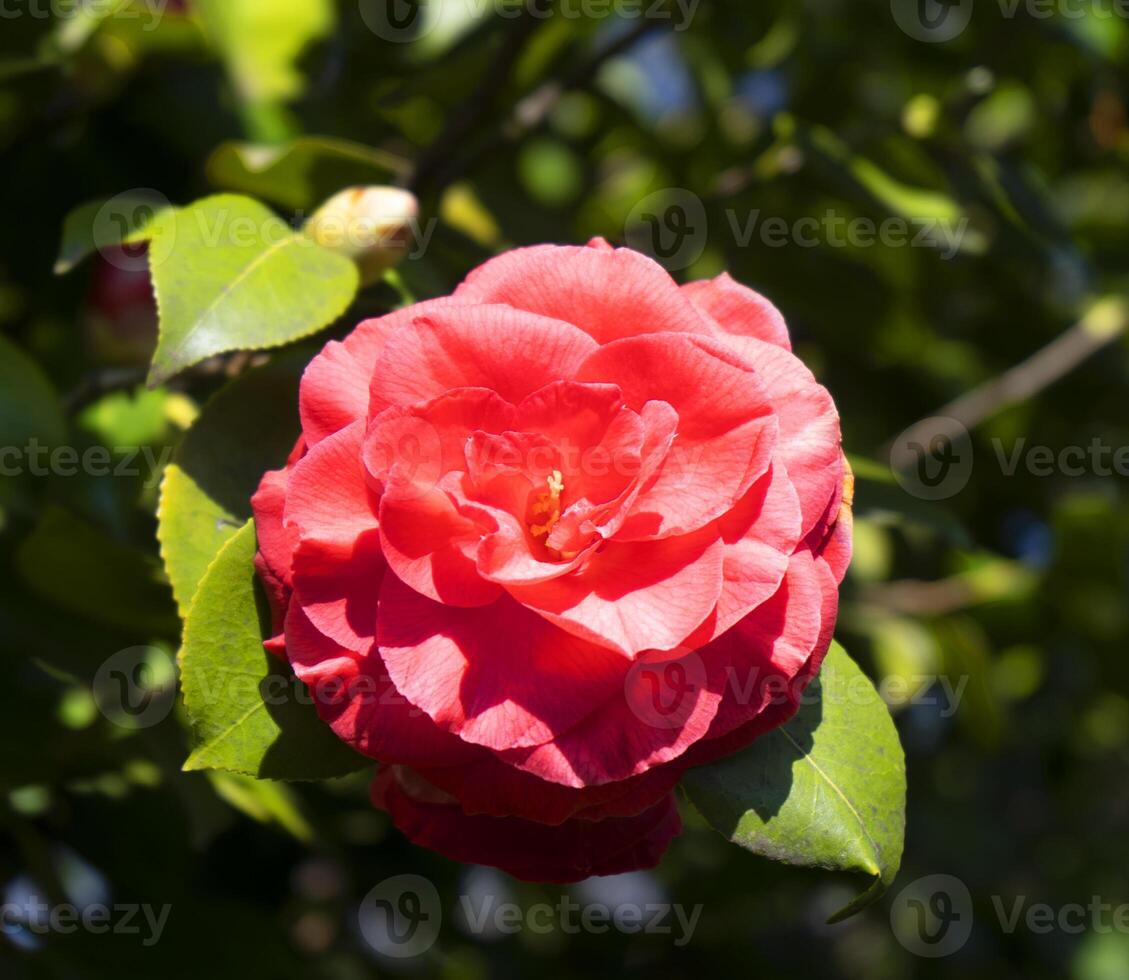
x=546 y=507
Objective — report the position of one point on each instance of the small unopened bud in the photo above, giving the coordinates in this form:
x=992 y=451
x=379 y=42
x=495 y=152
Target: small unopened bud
x=371 y=225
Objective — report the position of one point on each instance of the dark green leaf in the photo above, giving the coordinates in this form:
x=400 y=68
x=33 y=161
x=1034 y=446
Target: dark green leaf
x=302 y=173
x=827 y=790
x=128 y=219
x=77 y=567
x=249 y=427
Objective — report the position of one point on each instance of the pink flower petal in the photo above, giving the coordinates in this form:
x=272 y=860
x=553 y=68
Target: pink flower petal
x=490 y=787
x=736 y=309
x=810 y=443
x=354 y=696
x=496 y=675
x=430 y=543
x=335 y=385
x=726 y=429
x=663 y=708
x=571 y=851
x=635 y=596
x=607 y=293
x=328 y=500
x=511 y=352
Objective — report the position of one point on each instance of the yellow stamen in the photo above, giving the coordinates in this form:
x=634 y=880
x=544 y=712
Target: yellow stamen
x=547 y=504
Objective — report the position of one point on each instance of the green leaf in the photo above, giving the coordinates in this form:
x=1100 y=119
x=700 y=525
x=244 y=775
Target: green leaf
x=247 y=428
x=228 y=679
x=127 y=219
x=263 y=801
x=75 y=566
x=80 y=24
x=16 y=67
x=302 y=173
x=262 y=42
x=29 y=405
x=827 y=790
x=234 y=276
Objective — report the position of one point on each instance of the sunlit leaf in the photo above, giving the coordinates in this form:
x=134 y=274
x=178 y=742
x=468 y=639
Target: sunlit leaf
x=231 y=275
x=249 y=713
x=261 y=43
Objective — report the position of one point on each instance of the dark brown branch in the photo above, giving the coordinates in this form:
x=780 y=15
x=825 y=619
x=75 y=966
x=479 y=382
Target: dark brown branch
x=1106 y=321
x=466 y=117
x=532 y=111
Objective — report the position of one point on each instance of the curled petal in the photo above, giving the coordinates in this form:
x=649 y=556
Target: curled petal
x=736 y=309
x=498 y=675
x=570 y=851
x=608 y=293
x=635 y=596
x=509 y=351
x=335 y=385
x=726 y=428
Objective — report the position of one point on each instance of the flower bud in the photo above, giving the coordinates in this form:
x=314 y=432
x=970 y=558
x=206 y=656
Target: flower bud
x=371 y=225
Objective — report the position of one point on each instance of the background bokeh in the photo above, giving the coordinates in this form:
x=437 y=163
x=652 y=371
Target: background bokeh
x=1005 y=145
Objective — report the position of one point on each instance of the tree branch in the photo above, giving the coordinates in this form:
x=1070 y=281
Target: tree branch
x=532 y=111
x=463 y=120
x=1107 y=320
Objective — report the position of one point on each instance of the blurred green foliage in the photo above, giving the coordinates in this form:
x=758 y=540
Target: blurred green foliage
x=1013 y=591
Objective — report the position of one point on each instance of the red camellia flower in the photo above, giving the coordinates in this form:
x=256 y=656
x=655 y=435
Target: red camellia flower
x=547 y=542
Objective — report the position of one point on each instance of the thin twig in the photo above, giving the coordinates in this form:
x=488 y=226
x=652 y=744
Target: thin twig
x=463 y=120
x=532 y=111
x=1105 y=322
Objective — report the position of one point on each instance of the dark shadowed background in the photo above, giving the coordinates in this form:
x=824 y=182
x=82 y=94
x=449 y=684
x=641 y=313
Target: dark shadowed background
x=931 y=193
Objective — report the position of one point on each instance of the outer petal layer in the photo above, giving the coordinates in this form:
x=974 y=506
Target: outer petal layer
x=564 y=853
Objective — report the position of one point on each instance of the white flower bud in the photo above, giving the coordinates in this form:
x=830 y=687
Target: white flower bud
x=371 y=225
